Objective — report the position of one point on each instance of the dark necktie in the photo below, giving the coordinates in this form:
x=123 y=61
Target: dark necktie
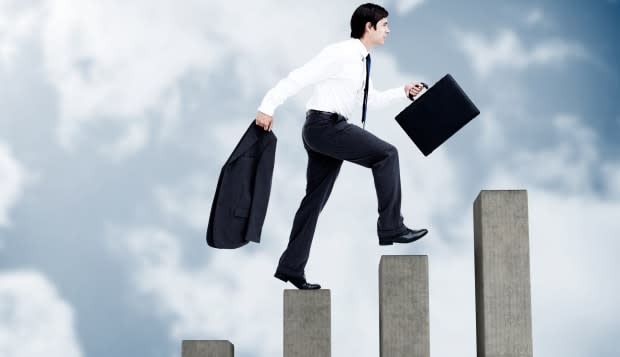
x=365 y=105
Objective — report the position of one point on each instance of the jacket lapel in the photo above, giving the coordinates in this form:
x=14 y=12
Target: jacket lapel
x=251 y=136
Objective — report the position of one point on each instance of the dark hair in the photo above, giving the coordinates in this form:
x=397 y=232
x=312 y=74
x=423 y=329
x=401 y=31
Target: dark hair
x=363 y=14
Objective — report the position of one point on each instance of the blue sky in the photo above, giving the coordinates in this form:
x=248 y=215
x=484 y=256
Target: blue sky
x=116 y=117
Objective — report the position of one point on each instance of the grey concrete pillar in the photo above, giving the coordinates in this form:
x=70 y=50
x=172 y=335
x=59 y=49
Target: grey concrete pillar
x=502 y=266
x=307 y=323
x=403 y=306
x=207 y=348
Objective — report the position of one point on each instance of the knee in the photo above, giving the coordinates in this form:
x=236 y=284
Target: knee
x=391 y=151
x=389 y=156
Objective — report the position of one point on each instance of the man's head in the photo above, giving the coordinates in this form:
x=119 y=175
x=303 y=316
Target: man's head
x=369 y=22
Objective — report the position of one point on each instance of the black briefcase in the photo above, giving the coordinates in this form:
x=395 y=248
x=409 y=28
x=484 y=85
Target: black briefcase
x=437 y=114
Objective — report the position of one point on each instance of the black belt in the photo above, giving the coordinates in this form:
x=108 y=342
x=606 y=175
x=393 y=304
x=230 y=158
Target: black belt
x=333 y=116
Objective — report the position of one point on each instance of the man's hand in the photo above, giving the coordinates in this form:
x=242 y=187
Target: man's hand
x=264 y=121
x=413 y=88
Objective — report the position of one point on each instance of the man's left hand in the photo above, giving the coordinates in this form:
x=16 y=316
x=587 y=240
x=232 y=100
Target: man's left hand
x=413 y=88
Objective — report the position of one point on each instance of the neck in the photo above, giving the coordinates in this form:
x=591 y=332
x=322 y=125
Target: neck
x=364 y=40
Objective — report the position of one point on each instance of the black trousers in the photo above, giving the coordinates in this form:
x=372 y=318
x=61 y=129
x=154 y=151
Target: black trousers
x=329 y=140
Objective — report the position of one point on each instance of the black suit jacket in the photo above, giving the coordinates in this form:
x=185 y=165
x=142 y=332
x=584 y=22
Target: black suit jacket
x=240 y=202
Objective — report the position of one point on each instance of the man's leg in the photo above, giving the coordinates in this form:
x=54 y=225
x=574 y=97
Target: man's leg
x=349 y=142
x=321 y=175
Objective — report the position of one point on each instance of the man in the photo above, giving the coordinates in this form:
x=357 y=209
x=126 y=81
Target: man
x=340 y=74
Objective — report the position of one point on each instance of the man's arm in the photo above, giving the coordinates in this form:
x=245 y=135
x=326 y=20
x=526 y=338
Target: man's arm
x=317 y=69
x=381 y=98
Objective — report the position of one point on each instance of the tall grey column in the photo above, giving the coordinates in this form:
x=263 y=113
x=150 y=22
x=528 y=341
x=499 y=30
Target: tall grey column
x=307 y=323
x=403 y=306
x=207 y=348
x=502 y=265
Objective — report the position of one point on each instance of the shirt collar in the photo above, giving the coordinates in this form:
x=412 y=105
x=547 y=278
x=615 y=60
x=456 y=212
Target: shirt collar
x=360 y=47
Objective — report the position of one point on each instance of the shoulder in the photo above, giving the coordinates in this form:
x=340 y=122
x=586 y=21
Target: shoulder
x=346 y=45
x=338 y=51
x=339 y=47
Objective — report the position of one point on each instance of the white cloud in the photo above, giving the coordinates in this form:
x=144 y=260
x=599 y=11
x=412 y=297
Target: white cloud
x=34 y=320
x=12 y=179
x=573 y=230
x=234 y=296
x=569 y=162
x=134 y=139
x=113 y=61
x=572 y=245
x=566 y=163
x=573 y=240
x=229 y=297
x=493 y=135
x=189 y=201
x=116 y=60
x=507 y=51
x=17 y=23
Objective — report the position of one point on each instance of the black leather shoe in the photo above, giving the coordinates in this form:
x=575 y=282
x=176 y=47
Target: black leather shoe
x=411 y=235
x=299 y=281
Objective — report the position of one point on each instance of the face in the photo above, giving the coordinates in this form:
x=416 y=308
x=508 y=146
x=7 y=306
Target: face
x=378 y=34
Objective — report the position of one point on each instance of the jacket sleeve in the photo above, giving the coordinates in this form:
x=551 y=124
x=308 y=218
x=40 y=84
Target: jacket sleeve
x=262 y=190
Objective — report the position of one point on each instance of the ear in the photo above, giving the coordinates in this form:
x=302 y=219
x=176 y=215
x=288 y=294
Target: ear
x=368 y=26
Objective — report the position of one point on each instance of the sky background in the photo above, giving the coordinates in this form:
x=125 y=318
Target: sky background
x=117 y=116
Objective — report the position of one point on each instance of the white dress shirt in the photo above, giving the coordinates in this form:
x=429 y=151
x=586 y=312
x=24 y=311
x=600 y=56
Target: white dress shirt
x=338 y=73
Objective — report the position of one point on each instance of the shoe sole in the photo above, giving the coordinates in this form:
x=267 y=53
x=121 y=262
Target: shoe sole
x=284 y=279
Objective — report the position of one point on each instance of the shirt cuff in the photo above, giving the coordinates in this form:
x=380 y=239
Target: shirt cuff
x=267 y=109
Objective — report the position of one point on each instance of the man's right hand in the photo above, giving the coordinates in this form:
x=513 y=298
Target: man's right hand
x=264 y=121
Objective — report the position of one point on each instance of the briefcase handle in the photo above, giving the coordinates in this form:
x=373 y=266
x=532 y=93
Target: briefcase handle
x=423 y=85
